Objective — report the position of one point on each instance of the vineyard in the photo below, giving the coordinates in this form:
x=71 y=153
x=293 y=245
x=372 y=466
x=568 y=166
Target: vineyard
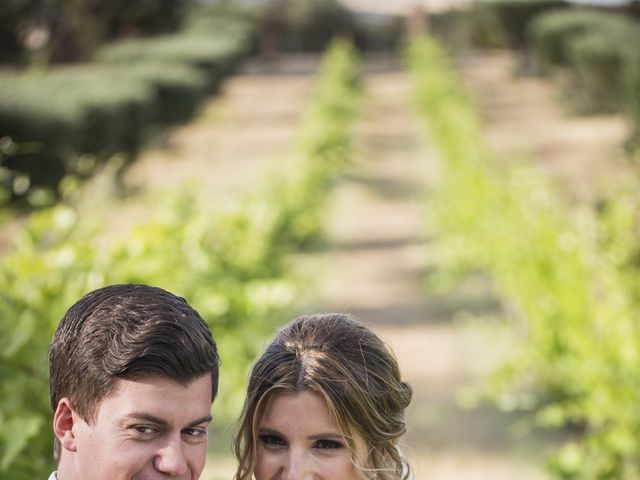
x=507 y=285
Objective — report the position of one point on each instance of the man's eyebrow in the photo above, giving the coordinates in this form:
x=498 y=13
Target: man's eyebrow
x=206 y=419
x=146 y=417
x=161 y=422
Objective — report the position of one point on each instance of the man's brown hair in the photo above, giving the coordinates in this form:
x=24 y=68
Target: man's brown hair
x=126 y=331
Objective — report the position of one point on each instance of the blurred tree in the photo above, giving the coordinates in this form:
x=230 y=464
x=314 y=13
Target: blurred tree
x=303 y=25
x=71 y=29
x=272 y=26
x=75 y=29
x=417 y=20
x=142 y=17
x=315 y=23
x=17 y=18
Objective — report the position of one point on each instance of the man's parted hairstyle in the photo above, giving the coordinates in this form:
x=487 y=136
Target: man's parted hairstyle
x=353 y=370
x=127 y=332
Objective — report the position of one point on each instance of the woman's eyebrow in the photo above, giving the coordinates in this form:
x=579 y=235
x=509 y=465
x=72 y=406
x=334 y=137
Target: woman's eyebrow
x=269 y=431
x=324 y=436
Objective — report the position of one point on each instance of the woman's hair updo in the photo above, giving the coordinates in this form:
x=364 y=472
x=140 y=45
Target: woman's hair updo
x=356 y=373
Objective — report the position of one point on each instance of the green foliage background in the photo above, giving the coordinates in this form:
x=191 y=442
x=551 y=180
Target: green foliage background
x=569 y=280
x=231 y=264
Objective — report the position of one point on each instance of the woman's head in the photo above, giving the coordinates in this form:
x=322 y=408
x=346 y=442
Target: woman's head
x=335 y=361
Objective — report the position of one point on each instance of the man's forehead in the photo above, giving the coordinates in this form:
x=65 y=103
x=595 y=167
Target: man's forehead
x=158 y=382
x=157 y=395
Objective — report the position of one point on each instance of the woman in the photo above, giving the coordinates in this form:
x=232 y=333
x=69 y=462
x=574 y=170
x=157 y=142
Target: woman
x=324 y=402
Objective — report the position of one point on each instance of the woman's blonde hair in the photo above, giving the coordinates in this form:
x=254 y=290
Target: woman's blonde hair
x=348 y=365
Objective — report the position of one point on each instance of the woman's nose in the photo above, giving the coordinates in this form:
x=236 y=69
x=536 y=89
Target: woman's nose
x=297 y=466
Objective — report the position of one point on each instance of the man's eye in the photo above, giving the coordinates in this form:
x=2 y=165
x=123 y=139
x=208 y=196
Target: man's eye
x=143 y=430
x=196 y=433
x=272 y=440
x=328 y=444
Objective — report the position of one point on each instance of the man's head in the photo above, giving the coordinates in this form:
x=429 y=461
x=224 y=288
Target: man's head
x=131 y=365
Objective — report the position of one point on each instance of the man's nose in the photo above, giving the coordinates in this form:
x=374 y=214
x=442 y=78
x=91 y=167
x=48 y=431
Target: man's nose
x=170 y=459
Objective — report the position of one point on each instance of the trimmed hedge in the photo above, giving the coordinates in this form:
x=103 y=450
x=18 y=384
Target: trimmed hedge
x=598 y=50
x=107 y=107
x=215 y=57
x=599 y=62
x=178 y=88
x=71 y=112
x=550 y=33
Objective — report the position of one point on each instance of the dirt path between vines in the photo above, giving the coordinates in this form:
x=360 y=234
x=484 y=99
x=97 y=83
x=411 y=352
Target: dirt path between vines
x=528 y=118
x=238 y=135
x=374 y=268
x=378 y=252
x=379 y=256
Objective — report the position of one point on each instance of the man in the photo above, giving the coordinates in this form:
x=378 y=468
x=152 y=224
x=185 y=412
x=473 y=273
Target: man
x=133 y=373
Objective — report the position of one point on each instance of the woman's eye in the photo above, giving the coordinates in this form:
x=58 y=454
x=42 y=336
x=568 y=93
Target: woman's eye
x=272 y=440
x=328 y=444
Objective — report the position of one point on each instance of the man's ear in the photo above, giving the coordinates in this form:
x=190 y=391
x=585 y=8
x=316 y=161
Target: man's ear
x=63 y=420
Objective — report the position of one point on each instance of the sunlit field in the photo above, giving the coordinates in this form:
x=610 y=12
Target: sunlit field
x=463 y=178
